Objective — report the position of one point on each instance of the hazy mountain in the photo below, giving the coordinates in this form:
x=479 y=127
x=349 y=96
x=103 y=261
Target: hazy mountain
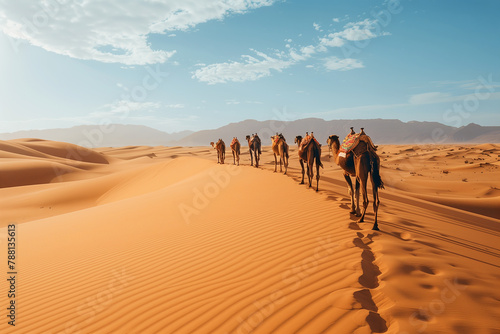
x=102 y=136
x=477 y=133
x=382 y=131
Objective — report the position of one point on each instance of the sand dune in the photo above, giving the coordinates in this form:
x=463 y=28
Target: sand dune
x=163 y=240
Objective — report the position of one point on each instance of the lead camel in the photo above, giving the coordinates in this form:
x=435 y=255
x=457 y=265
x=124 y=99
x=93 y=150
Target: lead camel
x=361 y=162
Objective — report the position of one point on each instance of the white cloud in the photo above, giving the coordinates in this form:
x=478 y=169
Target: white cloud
x=308 y=50
x=337 y=64
x=478 y=84
x=336 y=19
x=175 y=106
x=124 y=107
x=253 y=69
x=438 y=97
x=353 y=31
x=316 y=26
x=297 y=56
x=332 y=40
x=110 y=31
x=431 y=98
x=248 y=70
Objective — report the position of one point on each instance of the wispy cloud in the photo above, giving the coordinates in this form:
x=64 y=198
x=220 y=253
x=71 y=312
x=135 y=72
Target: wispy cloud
x=236 y=102
x=252 y=68
x=124 y=107
x=337 y=64
x=175 y=106
x=108 y=31
x=468 y=84
x=249 y=69
x=354 y=31
x=431 y=98
x=439 y=97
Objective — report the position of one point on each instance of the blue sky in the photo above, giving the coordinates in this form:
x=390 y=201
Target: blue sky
x=176 y=65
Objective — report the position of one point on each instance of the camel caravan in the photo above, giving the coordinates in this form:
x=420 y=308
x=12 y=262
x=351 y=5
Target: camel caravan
x=356 y=156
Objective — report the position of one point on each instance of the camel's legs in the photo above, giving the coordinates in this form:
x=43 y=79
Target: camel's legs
x=251 y=157
x=302 y=165
x=376 y=203
x=357 y=208
x=311 y=173
x=317 y=175
x=285 y=163
x=256 y=158
x=275 y=163
x=308 y=175
x=363 y=179
x=350 y=191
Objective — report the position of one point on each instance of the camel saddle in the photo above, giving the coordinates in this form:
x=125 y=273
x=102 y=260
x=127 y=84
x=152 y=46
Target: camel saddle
x=303 y=145
x=255 y=138
x=250 y=142
x=351 y=141
x=235 y=140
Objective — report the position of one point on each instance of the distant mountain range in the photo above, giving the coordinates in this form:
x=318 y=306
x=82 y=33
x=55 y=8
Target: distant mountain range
x=382 y=131
x=113 y=135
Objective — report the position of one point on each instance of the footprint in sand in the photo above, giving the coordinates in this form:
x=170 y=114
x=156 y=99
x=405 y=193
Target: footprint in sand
x=405 y=236
x=369 y=280
x=427 y=270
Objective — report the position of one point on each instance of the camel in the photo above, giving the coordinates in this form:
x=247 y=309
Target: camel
x=280 y=149
x=221 y=150
x=329 y=142
x=235 y=149
x=309 y=152
x=360 y=162
x=255 y=146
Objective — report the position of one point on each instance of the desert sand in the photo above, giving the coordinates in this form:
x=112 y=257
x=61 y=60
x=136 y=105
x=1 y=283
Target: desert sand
x=165 y=240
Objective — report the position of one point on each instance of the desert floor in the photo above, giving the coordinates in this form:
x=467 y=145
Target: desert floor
x=165 y=240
